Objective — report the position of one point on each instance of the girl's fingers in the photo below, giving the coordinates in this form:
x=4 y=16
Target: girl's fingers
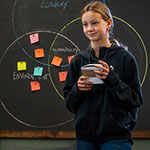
x=82 y=80
x=103 y=73
x=84 y=89
x=103 y=63
x=84 y=85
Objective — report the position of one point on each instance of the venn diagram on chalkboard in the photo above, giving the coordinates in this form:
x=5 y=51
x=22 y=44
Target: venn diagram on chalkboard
x=44 y=45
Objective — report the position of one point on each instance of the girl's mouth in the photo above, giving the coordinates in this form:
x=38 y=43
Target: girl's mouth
x=91 y=34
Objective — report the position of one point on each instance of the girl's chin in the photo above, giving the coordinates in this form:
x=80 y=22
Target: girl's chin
x=92 y=38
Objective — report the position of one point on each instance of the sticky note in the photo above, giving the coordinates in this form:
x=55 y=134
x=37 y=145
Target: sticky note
x=56 y=61
x=34 y=38
x=62 y=76
x=39 y=53
x=35 y=85
x=70 y=58
x=21 y=66
x=38 y=71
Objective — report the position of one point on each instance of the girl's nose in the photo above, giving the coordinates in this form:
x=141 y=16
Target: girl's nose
x=90 y=28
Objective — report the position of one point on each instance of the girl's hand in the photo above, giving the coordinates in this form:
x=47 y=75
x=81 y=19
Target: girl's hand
x=104 y=70
x=84 y=85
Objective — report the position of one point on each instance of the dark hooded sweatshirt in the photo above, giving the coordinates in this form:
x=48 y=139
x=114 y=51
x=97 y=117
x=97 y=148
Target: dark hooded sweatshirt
x=109 y=110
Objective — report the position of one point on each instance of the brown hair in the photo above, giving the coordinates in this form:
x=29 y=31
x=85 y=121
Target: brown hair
x=105 y=12
x=101 y=9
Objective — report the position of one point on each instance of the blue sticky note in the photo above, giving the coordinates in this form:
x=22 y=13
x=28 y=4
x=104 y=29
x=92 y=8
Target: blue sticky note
x=38 y=71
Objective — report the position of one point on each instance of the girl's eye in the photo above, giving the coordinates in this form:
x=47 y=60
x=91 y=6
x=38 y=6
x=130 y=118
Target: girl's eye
x=85 y=24
x=94 y=23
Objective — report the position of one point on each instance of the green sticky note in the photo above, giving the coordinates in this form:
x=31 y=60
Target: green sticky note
x=38 y=71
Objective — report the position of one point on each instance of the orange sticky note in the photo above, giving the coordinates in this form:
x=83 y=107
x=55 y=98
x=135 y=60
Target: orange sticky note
x=56 y=61
x=70 y=58
x=34 y=38
x=62 y=76
x=39 y=53
x=35 y=86
x=21 y=66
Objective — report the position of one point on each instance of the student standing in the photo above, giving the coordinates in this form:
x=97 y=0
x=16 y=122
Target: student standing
x=105 y=114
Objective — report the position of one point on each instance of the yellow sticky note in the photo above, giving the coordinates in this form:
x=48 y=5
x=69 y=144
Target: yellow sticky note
x=21 y=65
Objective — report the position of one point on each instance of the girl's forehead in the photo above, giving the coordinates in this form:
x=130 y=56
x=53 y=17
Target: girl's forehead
x=91 y=15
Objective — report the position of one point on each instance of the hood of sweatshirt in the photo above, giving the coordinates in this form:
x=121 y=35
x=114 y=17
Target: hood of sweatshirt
x=104 y=54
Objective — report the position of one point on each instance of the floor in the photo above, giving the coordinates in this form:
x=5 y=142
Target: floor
x=52 y=144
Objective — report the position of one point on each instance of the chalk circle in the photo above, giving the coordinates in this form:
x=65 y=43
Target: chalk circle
x=1 y=101
x=117 y=18
x=143 y=45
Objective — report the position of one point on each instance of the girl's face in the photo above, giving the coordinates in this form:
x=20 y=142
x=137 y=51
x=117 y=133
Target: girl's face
x=95 y=27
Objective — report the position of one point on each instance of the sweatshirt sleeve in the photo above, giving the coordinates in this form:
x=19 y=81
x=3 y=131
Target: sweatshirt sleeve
x=128 y=93
x=72 y=95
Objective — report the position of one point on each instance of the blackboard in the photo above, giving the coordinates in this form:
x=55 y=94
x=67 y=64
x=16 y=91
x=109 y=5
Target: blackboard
x=58 y=26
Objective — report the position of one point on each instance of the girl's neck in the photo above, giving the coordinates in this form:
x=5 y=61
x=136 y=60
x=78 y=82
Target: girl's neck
x=97 y=45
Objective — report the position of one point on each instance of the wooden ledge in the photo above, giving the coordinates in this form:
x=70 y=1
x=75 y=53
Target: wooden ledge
x=37 y=134
x=58 y=134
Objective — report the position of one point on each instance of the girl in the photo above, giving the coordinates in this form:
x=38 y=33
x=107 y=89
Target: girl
x=105 y=114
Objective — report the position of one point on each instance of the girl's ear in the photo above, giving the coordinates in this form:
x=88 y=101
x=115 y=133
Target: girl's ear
x=109 y=23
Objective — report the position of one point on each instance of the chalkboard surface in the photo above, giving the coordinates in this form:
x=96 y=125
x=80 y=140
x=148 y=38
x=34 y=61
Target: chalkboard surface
x=37 y=40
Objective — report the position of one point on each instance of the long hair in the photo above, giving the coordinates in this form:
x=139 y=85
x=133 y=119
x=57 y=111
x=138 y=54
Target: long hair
x=105 y=12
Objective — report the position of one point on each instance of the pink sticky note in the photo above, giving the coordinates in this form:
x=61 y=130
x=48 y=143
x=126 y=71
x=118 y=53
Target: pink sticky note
x=62 y=76
x=70 y=58
x=34 y=38
x=35 y=86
